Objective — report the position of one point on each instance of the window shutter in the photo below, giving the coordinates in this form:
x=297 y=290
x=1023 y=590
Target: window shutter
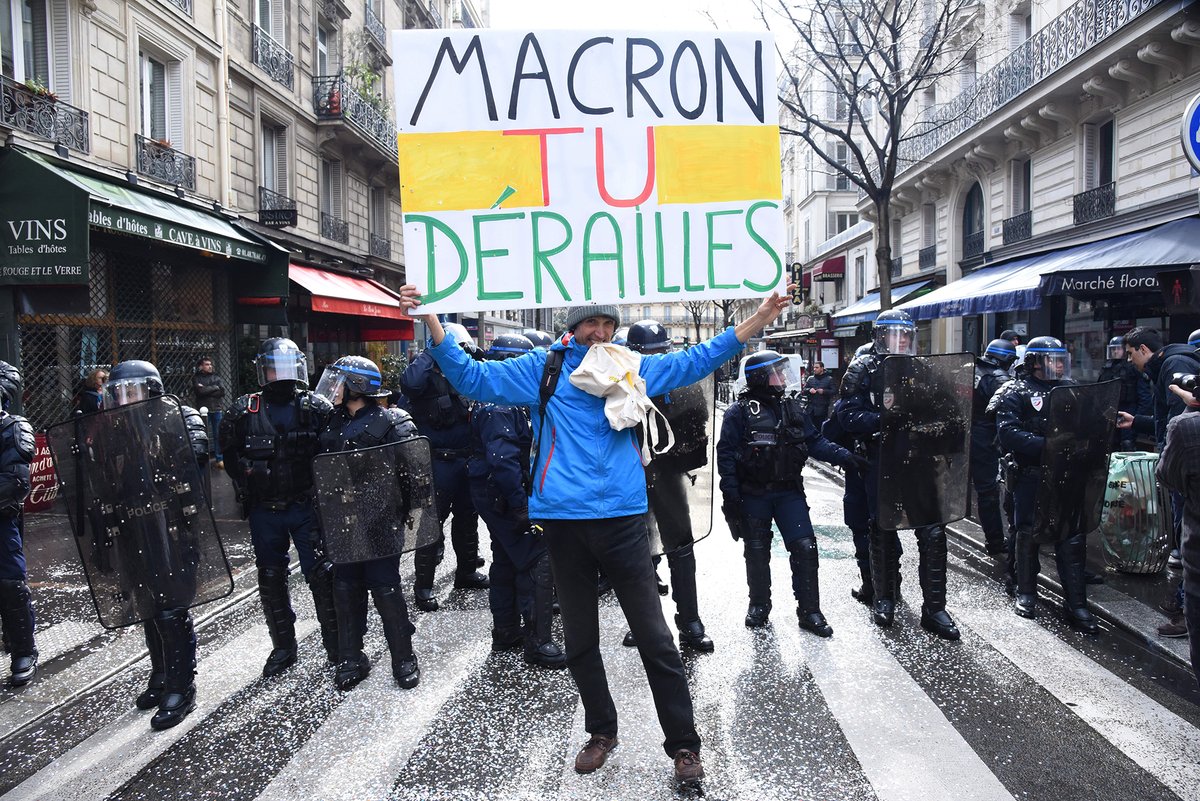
x=41 y=44
x=326 y=180
x=281 y=160
x=1091 y=142
x=335 y=189
x=278 y=22
x=174 y=103
x=895 y=239
x=269 y=158
x=1016 y=31
x=928 y=224
x=1016 y=187
x=60 y=33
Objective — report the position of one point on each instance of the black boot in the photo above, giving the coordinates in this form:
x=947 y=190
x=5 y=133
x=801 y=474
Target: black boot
x=931 y=547
x=16 y=610
x=1071 y=554
x=464 y=538
x=158 y=675
x=320 y=583
x=757 y=550
x=805 y=567
x=682 y=564
x=349 y=598
x=540 y=649
x=692 y=636
x=425 y=562
x=864 y=594
x=507 y=638
x=885 y=572
x=398 y=631
x=281 y=620
x=991 y=520
x=179 y=659
x=1028 y=566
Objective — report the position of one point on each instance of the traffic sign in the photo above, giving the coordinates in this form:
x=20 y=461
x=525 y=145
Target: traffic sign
x=1189 y=133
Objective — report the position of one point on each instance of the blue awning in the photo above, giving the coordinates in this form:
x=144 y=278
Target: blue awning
x=866 y=309
x=1113 y=266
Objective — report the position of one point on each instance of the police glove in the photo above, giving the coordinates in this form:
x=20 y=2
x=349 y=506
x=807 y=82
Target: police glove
x=857 y=463
x=731 y=508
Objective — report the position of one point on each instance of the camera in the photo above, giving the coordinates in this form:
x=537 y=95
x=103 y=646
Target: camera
x=1186 y=381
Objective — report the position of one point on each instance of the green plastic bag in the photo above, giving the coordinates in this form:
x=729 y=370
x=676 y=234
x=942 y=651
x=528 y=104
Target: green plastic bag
x=1135 y=526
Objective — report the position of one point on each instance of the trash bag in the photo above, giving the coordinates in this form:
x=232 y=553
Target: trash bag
x=1135 y=524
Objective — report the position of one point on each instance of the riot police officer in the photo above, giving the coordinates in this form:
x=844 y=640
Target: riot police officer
x=442 y=415
x=765 y=440
x=16 y=604
x=991 y=372
x=686 y=410
x=170 y=636
x=268 y=439
x=1022 y=418
x=354 y=385
x=540 y=339
x=522 y=587
x=1134 y=387
x=859 y=414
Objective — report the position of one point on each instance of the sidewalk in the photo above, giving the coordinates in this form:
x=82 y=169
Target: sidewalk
x=1127 y=601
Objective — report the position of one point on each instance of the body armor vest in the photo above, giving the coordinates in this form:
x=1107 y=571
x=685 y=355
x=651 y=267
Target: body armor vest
x=348 y=434
x=988 y=377
x=773 y=452
x=278 y=464
x=440 y=406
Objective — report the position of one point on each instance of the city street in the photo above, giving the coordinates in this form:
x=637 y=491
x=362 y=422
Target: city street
x=1017 y=710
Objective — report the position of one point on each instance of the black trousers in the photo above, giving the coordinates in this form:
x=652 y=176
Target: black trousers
x=620 y=547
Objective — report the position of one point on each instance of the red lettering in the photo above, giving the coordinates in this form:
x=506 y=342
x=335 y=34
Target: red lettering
x=541 y=134
x=649 y=186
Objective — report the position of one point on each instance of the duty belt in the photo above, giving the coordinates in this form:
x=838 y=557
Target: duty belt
x=450 y=454
x=280 y=505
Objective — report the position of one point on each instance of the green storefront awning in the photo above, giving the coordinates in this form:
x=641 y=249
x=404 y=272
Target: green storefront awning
x=46 y=211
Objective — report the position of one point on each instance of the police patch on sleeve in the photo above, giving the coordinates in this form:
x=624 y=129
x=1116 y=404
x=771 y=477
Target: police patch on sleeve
x=1036 y=402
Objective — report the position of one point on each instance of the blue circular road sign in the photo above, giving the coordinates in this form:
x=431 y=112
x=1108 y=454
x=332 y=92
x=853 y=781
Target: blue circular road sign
x=1189 y=133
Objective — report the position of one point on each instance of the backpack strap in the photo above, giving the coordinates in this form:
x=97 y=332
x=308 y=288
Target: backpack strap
x=550 y=375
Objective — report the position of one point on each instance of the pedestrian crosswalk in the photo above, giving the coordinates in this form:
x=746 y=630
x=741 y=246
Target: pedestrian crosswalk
x=1013 y=711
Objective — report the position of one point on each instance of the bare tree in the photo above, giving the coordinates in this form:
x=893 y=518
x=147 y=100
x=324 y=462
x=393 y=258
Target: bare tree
x=696 y=308
x=726 y=307
x=852 y=84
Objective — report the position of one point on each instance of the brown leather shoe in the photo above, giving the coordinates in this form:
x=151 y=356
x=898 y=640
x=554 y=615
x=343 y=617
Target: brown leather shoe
x=687 y=766
x=595 y=753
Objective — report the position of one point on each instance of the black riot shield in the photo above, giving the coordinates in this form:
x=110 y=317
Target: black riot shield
x=376 y=502
x=679 y=483
x=1079 y=436
x=142 y=523
x=924 y=443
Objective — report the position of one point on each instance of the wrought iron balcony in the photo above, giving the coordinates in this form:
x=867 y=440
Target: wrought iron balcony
x=380 y=246
x=927 y=257
x=1071 y=35
x=183 y=5
x=334 y=10
x=1018 y=228
x=160 y=161
x=43 y=115
x=335 y=99
x=274 y=209
x=896 y=266
x=335 y=228
x=374 y=27
x=1096 y=204
x=416 y=15
x=973 y=245
x=273 y=58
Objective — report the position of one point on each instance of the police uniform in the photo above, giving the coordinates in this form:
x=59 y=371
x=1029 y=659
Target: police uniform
x=16 y=604
x=985 y=456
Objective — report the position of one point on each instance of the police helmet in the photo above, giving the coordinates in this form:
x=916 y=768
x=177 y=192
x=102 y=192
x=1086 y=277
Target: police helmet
x=621 y=336
x=132 y=381
x=279 y=359
x=1000 y=352
x=895 y=333
x=766 y=369
x=10 y=384
x=462 y=337
x=648 y=336
x=540 y=339
x=1194 y=338
x=509 y=346
x=1116 y=347
x=351 y=376
x=1011 y=335
x=1050 y=356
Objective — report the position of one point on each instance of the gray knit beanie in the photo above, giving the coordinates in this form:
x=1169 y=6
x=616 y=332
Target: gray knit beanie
x=577 y=314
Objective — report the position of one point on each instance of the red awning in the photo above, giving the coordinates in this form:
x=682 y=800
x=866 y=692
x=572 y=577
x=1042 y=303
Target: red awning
x=830 y=269
x=333 y=293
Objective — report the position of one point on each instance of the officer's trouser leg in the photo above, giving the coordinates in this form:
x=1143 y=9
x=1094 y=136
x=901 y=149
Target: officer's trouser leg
x=682 y=562
x=540 y=649
x=349 y=599
x=179 y=662
x=158 y=676
x=1071 y=556
x=281 y=620
x=931 y=546
x=16 y=611
x=805 y=567
x=885 y=573
x=757 y=548
x=320 y=583
x=398 y=631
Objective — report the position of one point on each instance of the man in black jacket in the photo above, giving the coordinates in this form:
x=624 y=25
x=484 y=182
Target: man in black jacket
x=209 y=390
x=819 y=392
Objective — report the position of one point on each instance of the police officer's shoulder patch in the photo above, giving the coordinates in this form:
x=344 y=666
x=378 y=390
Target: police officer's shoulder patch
x=1036 y=402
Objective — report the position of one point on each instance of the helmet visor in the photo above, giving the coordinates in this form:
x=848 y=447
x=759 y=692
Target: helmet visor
x=1116 y=351
x=132 y=390
x=774 y=374
x=1056 y=366
x=332 y=386
x=896 y=340
x=281 y=366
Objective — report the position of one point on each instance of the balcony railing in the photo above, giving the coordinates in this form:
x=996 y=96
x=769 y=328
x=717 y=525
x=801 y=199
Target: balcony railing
x=973 y=245
x=927 y=257
x=375 y=28
x=896 y=266
x=416 y=15
x=335 y=99
x=437 y=15
x=43 y=115
x=273 y=58
x=335 y=228
x=1018 y=228
x=1067 y=37
x=274 y=209
x=380 y=246
x=183 y=5
x=334 y=10
x=160 y=161
x=1096 y=204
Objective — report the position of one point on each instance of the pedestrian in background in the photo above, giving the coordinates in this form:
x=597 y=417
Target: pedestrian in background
x=209 y=391
x=90 y=397
x=819 y=391
x=1179 y=471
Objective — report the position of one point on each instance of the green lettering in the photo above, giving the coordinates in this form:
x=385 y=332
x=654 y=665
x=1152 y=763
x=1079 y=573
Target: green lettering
x=541 y=258
x=641 y=257
x=481 y=254
x=589 y=257
x=687 y=255
x=762 y=243
x=662 y=277
x=431 y=292
x=714 y=246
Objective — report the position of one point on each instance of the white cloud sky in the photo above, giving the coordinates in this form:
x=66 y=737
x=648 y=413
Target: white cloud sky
x=679 y=15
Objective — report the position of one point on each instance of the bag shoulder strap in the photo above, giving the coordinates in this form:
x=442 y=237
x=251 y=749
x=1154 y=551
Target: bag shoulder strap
x=550 y=374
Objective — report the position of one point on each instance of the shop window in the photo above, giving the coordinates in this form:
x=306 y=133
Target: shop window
x=275 y=158
x=161 y=89
x=1099 y=142
x=35 y=43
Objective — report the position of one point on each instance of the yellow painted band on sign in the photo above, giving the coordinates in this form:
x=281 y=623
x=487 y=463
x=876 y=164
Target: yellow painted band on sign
x=468 y=170
x=717 y=163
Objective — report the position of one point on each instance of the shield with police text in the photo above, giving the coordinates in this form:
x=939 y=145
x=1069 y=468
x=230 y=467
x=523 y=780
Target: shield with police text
x=1079 y=435
x=679 y=483
x=924 y=443
x=376 y=502
x=142 y=523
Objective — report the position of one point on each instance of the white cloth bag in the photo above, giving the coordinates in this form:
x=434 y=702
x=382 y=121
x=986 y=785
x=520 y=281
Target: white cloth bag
x=611 y=372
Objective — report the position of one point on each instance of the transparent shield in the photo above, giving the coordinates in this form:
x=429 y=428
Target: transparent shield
x=376 y=502
x=1079 y=437
x=140 y=518
x=925 y=431
x=679 y=483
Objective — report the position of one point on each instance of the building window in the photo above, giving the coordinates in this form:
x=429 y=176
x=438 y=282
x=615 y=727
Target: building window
x=967 y=72
x=161 y=89
x=860 y=276
x=838 y=180
x=271 y=18
x=839 y=221
x=1020 y=186
x=324 y=35
x=972 y=223
x=331 y=188
x=928 y=224
x=275 y=158
x=897 y=250
x=1099 y=154
x=379 y=211
x=35 y=43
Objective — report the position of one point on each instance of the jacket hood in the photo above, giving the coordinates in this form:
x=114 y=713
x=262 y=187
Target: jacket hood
x=1154 y=365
